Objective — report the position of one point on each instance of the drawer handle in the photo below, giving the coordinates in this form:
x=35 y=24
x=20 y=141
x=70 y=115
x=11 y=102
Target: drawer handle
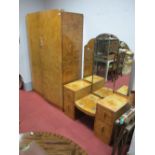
x=102 y=129
x=105 y=115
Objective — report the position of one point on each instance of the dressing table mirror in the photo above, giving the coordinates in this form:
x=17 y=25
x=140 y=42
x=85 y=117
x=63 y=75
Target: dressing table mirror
x=107 y=65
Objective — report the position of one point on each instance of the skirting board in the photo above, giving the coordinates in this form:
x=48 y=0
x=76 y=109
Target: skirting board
x=28 y=86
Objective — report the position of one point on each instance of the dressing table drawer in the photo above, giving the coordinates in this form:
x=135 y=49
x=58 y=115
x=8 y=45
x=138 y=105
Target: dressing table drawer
x=104 y=115
x=108 y=110
x=69 y=110
x=72 y=92
x=103 y=131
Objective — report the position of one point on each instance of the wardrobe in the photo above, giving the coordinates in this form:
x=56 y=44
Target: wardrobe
x=55 y=47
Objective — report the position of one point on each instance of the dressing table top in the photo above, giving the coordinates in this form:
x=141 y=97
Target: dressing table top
x=113 y=102
x=104 y=92
x=123 y=90
x=77 y=85
x=95 y=78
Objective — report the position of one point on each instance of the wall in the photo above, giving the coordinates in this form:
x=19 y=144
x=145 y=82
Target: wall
x=26 y=6
x=100 y=16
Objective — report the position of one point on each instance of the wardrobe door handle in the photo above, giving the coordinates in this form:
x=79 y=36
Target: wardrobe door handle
x=41 y=42
x=88 y=49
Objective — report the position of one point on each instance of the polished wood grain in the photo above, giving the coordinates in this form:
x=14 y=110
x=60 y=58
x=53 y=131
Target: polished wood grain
x=72 y=38
x=88 y=104
x=52 y=144
x=103 y=131
x=113 y=102
x=32 y=21
x=107 y=111
x=72 y=92
x=88 y=57
x=103 y=92
x=69 y=107
x=37 y=80
x=77 y=85
x=104 y=115
x=96 y=81
x=51 y=56
x=123 y=90
x=55 y=40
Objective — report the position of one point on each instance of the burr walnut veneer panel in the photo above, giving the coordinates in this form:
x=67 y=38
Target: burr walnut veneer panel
x=72 y=36
x=51 y=56
x=107 y=111
x=74 y=91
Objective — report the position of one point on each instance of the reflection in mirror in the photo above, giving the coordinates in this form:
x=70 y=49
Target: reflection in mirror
x=123 y=69
x=109 y=60
x=106 y=49
x=98 y=81
x=105 y=53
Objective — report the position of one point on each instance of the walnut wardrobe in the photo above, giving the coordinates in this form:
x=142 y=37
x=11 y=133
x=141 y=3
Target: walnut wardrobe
x=55 y=45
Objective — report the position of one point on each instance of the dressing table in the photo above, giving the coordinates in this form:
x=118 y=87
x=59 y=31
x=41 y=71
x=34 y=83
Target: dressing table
x=94 y=97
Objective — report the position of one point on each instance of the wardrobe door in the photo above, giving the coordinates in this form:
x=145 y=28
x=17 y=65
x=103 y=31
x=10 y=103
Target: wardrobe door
x=72 y=36
x=34 y=51
x=51 y=56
